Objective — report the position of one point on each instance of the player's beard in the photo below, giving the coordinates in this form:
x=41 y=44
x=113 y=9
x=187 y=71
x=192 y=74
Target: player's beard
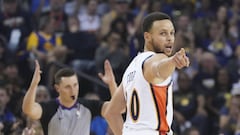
x=159 y=48
x=156 y=48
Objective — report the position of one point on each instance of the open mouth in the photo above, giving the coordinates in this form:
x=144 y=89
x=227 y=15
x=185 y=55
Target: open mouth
x=73 y=97
x=169 y=48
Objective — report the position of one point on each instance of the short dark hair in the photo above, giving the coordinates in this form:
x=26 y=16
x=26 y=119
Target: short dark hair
x=64 y=72
x=150 y=18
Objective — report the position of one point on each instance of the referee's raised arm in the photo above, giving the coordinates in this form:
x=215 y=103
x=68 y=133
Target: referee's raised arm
x=30 y=107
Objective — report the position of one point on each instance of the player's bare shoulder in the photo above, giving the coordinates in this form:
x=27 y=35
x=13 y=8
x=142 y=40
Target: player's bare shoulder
x=150 y=65
x=150 y=62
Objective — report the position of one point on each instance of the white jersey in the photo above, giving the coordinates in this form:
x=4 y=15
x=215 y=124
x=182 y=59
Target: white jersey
x=149 y=107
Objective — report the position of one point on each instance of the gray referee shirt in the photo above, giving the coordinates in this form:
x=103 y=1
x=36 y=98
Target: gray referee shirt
x=59 y=120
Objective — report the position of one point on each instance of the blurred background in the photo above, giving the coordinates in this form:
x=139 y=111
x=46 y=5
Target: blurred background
x=83 y=33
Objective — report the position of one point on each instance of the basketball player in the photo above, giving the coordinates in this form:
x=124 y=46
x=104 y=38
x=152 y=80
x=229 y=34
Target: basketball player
x=65 y=115
x=146 y=88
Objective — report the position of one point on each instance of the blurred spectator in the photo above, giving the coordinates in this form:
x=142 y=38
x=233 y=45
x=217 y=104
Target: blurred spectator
x=222 y=16
x=234 y=9
x=120 y=9
x=233 y=65
x=44 y=44
x=184 y=23
x=58 y=14
x=75 y=7
x=217 y=43
x=119 y=25
x=204 y=82
x=81 y=50
x=15 y=25
x=155 y=6
x=218 y=98
x=137 y=6
x=183 y=6
x=7 y=118
x=14 y=85
x=70 y=7
x=233 y=35
x=42 y=94
x=90 y=20
x=111 y=50
x=127 y=22
x=189 y=110
x=203 y=9
x=104 y=6
x=81 y=45
x=229 y=114
x=222 y=87
x=11 y=73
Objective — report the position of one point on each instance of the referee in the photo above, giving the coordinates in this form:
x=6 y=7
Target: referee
x=65 y=115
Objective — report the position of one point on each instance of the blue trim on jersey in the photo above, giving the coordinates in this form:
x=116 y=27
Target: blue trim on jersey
x=145 y=60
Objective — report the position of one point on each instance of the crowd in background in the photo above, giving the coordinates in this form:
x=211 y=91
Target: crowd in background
x=83 y=33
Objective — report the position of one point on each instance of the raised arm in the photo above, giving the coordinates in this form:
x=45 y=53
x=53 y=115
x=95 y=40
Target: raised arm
x=108 y=77
x=31 y=108
x=159 y=67
x=111 y=111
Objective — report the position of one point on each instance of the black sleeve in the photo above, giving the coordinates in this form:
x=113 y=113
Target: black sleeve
x=94 y=106
x=48 y=110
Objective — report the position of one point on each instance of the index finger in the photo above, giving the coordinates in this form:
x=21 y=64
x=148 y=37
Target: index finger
x=108 y=67
x=182 y=51
x=37 y=66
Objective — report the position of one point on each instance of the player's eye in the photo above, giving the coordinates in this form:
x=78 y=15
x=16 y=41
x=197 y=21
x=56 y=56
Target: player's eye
x=163 y=33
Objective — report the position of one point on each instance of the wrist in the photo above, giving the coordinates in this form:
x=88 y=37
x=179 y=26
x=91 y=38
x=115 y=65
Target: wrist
x=112 y=85
x=173 y=60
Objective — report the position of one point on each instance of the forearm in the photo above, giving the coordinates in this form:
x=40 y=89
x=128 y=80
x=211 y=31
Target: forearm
x=115 y=122
x=29 y=99
x=112 y=87
x=114 y=118
x=164 y=68
x=112 y=111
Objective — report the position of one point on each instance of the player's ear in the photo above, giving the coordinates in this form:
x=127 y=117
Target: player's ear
x=56 y=87
x=147 y=36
